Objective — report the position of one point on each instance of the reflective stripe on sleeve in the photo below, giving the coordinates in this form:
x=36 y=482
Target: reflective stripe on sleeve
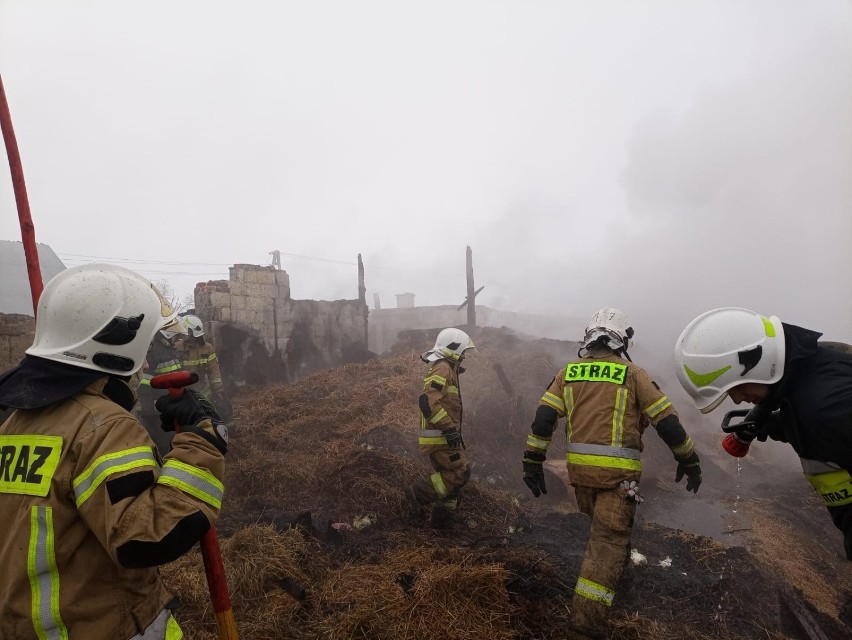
x=540 y=444
x=194 y=481
x=554 y=401
x=833 y=484
x=107 y=465
x=432 y=437
x=658 y=407
x=428 y=380
x=44 y=576
x=439 y=415
x=684 y=450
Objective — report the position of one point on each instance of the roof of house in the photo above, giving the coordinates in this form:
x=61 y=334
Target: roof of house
x=15 y=296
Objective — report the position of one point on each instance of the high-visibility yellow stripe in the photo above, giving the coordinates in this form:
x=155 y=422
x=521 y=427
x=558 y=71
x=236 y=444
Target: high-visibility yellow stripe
x=439 y=415
x=432 y=440
x=594 y=591
x=428 y=380
x=658 y=407
x=44 y=576
x=554 y=401
x=194 y=481
x=438 y=484
x=618 y=417
x=835 y=487
x=685 y=449
x=107 y=465
x=534 y=442
x=608 y=462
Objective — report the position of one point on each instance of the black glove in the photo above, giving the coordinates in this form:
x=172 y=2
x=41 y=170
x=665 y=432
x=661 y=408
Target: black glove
x=692 y=469
x=534 y=472
x=454 y=438
x=193 y=413
x=223 y=406
x=186 y=410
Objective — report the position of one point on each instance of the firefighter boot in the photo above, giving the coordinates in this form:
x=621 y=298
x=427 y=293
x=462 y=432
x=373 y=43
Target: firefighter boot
x=443 y=518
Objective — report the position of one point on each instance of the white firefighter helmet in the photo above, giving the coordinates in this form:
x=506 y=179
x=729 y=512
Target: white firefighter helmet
x=193 y=325
x=726 y=347
x=450 y=344
x=101 y=317
x=610 y=324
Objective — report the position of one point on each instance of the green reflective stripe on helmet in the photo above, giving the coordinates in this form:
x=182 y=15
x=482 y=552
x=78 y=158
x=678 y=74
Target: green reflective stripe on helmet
x=107 y=465
x=768 y=327
x=703 y=379
x=44 y=576
x=594 y=591
x=834 y=487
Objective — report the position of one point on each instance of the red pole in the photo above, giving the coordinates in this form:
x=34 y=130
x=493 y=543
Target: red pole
x=20 y=188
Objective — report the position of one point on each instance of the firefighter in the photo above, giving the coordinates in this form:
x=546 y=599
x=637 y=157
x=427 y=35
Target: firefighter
x=441 y=430
x=89 y=509
x=607 y=401
x=198 y=355
x=801 y=390
x=161 y=358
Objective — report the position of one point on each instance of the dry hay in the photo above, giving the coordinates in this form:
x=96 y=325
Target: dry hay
x=284 y=587
x=813 y=565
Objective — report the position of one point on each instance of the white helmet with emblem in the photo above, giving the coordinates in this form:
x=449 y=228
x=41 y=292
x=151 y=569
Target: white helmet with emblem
x=193 y=325
x=101 y=317
x=450 y=344
x=609 y=326
x=726 y=347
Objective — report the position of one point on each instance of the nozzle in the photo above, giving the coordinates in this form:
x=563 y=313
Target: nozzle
x=735 y=446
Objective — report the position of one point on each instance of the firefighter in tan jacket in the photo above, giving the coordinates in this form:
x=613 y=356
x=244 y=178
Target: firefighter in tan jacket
x=198 y=355
x=89 y=509
x=608 y=402
x=441 y=430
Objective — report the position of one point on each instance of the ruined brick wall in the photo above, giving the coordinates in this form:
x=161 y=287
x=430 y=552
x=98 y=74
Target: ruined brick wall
x=263 y=336
x=16 y=335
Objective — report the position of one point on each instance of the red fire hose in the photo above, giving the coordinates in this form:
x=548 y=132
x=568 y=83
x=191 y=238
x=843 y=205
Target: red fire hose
x=23 y=203
x=176 y=383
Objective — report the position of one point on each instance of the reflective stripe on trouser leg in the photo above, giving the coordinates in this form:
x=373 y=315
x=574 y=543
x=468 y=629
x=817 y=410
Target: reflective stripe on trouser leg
x=164 y=627
x=606 y=550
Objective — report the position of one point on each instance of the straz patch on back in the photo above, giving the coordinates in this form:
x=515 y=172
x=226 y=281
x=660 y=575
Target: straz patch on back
x=27 y=463
x=596 y=372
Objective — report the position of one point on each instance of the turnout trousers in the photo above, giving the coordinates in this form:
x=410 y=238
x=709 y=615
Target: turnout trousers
x=606 y=553
x=441 y=489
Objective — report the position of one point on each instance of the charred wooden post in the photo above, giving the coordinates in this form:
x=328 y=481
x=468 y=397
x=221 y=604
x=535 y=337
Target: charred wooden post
x=362 y=290
x=471 y=302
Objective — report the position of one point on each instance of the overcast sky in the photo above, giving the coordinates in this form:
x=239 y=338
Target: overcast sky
x=662 y=157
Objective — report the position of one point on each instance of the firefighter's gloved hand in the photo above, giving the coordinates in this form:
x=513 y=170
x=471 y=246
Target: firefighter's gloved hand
x=631 y=491
x=692 y=469
x=187 y=409
x=534 y=472
x=223 y=406
x=454 y=438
